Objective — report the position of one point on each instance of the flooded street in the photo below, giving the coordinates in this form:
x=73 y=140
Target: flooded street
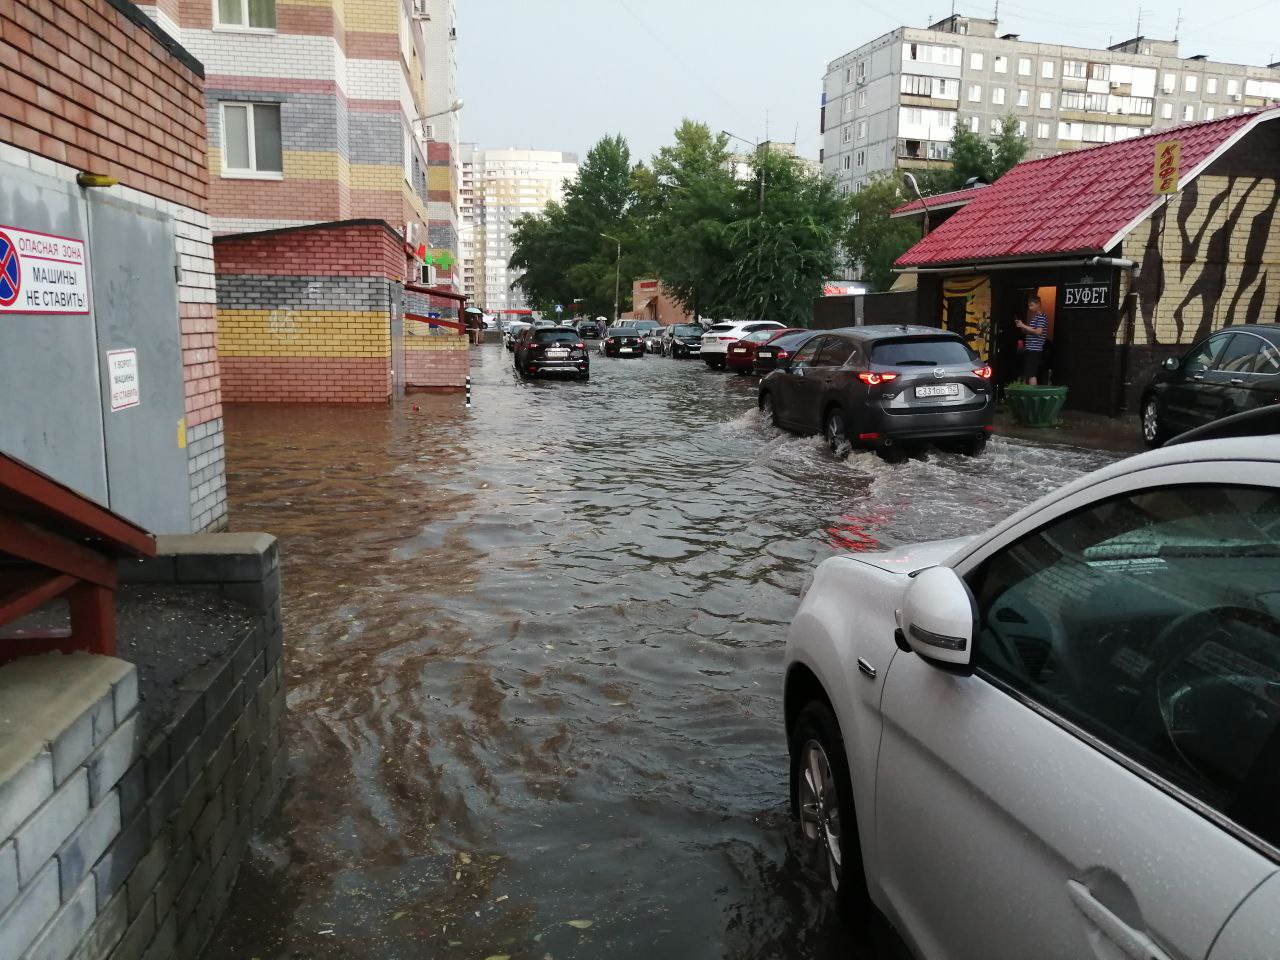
x=534 y=661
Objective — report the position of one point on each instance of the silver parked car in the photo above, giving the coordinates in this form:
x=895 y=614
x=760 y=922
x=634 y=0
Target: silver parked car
x=1060 y=738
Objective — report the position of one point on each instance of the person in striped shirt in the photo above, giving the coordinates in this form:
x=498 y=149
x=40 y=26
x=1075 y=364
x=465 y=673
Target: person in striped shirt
x=1036 y=332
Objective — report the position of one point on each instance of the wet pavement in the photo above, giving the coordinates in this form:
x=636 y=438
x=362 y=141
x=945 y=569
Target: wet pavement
x=534 y=661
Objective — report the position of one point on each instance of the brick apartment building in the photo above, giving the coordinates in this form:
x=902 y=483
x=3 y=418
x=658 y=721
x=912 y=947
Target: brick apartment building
x=317 y=115
x=112 y=389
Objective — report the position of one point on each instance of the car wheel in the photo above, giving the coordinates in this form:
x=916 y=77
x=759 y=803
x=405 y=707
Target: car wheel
x=822 y=800
x=1153 y=431
x=584 y=375
x=973 y=446
x=767 y=409
x=837 y=433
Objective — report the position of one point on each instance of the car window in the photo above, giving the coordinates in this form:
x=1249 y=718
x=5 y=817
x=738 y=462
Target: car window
x=1268 y=359
x=1240 y=354
x=921 y=352
x=760 y=336
x=1152 y=621
x=751 y=328
x=835 y=352
x=555 y=336
x=806 y=353
x=720 y=327
x=1202 y=357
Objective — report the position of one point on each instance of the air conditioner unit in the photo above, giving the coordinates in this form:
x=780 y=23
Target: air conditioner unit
x=1237 y=97
x=860 y=81
x=410 y=234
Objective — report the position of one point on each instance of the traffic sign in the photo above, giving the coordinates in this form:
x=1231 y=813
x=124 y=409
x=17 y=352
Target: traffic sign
x=10 y=272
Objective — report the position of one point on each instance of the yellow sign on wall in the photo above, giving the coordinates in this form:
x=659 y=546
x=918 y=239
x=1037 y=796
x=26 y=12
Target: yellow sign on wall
x=1168 y=153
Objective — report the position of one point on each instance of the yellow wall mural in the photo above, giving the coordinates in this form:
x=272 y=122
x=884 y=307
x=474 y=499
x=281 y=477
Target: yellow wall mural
x=976 y=291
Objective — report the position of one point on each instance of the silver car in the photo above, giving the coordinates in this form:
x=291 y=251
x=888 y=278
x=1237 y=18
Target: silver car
x=1060 y=738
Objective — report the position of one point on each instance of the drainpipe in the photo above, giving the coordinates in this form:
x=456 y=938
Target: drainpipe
x=1129 y=311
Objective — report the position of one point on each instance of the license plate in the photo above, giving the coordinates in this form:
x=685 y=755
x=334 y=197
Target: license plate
x=939 y=390
x=624 y=349
x=738 y=350
x=557 y=354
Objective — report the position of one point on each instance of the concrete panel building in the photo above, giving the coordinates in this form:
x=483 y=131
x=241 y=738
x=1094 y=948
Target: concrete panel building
x=894 y=102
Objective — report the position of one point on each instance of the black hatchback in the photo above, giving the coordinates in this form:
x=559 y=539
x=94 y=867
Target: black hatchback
x=778 y=350
x=883 y=385
x=1231 y=371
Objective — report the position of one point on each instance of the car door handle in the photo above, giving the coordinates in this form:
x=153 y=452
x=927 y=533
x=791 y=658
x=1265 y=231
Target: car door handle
x=865 y=666
x=1132 y=943
x=1198 y=376
x=1237 y=380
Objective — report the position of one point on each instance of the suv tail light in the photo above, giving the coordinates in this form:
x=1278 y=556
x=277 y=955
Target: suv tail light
x=876 y=378
x=984 y=371
x=579 y=346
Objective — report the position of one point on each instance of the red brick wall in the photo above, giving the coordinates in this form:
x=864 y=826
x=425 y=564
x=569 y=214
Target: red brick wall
x=334 y=250
x=82 y=84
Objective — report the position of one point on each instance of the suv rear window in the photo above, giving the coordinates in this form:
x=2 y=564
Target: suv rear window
x=921 y=352
x=721 y=327
x=555 y=336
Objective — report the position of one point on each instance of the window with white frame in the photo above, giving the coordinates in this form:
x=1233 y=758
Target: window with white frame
x=1166 y=110
x=862 y=71
x=997 y=95
x=861 y=159
x=1074 y=68
x=1233 y=87
x=1046 y=100
x=1046 y=69
x=408 y=155
x=861 y=132
x=1024 y=66
x=1211 y=85
x=973 y=124
x=1022 y=128
x=946 y=89
x=995 y=126
x=848 y=74
x=251 y=14
x=1099 y=71
x=1169 y=84
x=846 y=135
x=848 y=104
x=847 y=161
x=1042 y=131
x=862 y=98
x=1209 y=113
x=1024 y=98
x=1188 y=112
x=1190 y=82
x=975 y=61
x=251 y=144
x=1000 y=64
x=975 y=93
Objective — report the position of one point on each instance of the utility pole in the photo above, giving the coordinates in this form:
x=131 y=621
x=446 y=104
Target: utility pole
x=617 y=275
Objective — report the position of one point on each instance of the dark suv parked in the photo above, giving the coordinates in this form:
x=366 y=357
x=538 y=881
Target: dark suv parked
x=682 y=340
x=881 y=385
x=1228 y=372
x=551 y=350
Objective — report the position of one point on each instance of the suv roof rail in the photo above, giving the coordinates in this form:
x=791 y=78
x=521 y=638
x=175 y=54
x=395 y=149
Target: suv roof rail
x=1262 y=422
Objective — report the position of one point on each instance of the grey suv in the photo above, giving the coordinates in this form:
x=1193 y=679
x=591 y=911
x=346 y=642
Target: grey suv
x=882 y=385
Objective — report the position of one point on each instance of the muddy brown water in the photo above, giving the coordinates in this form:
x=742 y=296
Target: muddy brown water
x=534 y=662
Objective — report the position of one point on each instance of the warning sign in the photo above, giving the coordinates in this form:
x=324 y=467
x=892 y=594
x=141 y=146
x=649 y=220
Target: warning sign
x=122 y=370
x=41 y=273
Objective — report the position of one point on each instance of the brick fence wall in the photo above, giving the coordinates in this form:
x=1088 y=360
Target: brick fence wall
x=304 y=314
x=121 y=842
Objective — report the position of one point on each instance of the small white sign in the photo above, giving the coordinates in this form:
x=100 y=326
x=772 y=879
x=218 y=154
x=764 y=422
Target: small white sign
x=41 y=273
x=122 y=368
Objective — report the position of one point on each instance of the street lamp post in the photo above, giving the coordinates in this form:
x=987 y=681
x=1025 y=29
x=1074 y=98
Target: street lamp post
x=453 y=108
x=617 y=275
x=909 y=181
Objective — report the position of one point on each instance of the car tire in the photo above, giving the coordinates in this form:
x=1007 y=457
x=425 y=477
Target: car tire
x=836 y=433
x=767 y=408
x=1153 y=428
x=584 y=375
x=973 y=446
x=822 y=803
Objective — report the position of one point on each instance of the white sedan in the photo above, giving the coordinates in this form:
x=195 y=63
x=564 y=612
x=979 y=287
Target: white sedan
x=1060 y=738
x=715 y=342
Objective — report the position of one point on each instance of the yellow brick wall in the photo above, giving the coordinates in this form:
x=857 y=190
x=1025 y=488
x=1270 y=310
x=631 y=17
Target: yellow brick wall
x=381 y=16
x=302 y=333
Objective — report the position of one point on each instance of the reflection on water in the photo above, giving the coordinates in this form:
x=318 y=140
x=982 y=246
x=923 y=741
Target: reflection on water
x=534 y=656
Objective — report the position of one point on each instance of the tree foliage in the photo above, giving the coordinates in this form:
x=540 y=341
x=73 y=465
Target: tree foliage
x=973 y=155
x=871 y=238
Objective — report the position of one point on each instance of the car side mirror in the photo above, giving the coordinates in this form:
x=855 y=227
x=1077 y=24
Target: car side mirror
x=939 y=618
x=1171 y=363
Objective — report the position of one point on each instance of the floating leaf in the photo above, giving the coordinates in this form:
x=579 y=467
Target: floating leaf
x=499 y=956
x=399 y=913
x=464 y=857
x=579 y=924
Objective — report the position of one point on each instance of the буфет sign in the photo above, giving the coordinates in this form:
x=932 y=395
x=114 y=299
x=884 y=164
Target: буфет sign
x=41 y=273
x=1078 y=296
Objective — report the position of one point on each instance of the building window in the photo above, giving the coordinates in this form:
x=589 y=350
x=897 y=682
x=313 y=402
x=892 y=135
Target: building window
x=251 y=144
x=848 y=104
x=973 y=124
x=997 y=96
x=1024 y=98
x=847 y=133
x=251 y=14
x=1208 y=113
x=1022 y=128
x=975 y=61
x=995 y=126
x=1233 y=88
x=1042 y=131
x=1024 y=66
x=862 y=130
x=1166 y=110
x=1000 y=64
x=917 y=86
x=946 y=89
x=975 y=93
x=861 y=159
x=408 y=155
x=1190 y=82
x=862 y=98
x=1099 y=71
x=1074 y=68
x=1046 y=100
x=1188 y=112
x=848 y=75
x=1170 y=83
x=1211 y=85
x=846 y=161
x=1046 y=69
x=862 y=71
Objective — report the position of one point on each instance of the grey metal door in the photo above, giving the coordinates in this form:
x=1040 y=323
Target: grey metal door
x=136 y=307
x=50 y=408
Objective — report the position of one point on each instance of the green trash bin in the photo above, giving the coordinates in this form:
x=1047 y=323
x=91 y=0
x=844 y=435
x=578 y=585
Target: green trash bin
x=1035 y=406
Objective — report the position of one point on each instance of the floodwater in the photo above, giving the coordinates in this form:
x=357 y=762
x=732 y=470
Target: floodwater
x=534 y=662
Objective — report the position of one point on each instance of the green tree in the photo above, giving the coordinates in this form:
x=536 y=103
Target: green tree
x=973 y=155
x=783 y=242
x=872 y=240
x=1008 y=148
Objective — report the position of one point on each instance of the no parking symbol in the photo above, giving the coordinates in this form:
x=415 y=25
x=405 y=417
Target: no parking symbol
x=10 y=271
x=41 y=273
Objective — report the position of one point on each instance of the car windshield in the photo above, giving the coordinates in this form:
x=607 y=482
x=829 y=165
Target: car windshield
x=687 y=330
x=790 y=341
x=921 y=352
x=555 y=336
x=647 y=325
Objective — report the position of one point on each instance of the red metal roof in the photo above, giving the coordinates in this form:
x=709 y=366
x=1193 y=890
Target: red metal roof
x=940 y=201
x=1077 y=202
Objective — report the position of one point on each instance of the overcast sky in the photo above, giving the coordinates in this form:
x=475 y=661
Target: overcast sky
x=559 y=74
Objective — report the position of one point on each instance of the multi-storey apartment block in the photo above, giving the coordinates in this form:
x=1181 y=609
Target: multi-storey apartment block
x=470 y=216
x=894 y=102
x=440 y=131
